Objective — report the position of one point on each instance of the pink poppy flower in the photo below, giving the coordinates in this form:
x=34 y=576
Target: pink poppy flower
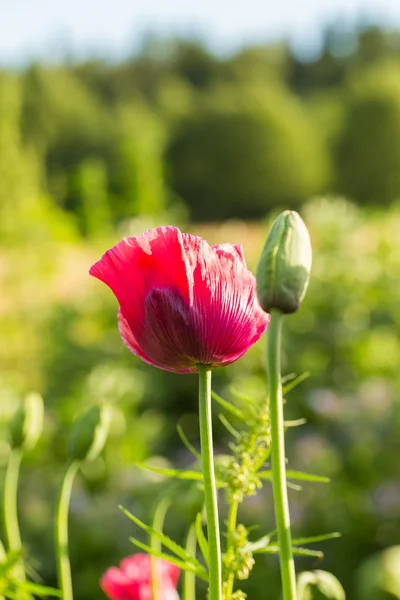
x=132 y=581
x=182 y=302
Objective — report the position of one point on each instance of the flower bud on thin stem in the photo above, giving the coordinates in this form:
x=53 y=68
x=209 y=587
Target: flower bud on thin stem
x=27 y=425
x=10 y=513
x=285 y=264
x=25 y=430
x=89 y=433
x=61 y=532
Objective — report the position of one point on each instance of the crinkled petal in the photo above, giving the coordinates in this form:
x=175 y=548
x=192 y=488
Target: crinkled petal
x=138 y=264
x=231 y=250
x=228 y=316
x=183 y=302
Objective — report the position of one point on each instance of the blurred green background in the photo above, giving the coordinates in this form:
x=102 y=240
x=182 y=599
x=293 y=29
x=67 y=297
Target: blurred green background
x=94 y=150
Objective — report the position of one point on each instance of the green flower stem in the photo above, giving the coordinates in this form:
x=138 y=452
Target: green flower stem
x=210 y=487
x=189 y=579
x=11 y=526
x=232 y=517
x=155 y=544
x=281 y=503
x=61 y=533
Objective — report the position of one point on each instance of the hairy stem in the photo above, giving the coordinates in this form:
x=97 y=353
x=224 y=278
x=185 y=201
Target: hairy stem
x=210 y=487
x=189 y=579
x=158 y=524
x=232 y=517
x=11 y=526
x=61 y=533
x=281 y=503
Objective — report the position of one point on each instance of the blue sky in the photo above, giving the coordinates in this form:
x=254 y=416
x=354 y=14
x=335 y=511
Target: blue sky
x=32 y=28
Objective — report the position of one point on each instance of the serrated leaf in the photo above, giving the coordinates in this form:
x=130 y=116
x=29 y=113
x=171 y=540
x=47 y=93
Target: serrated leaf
x=186 y=442
x=196 y=569
x=295 y=382
x=316 y=538
x=164 y=539
x=234 y=410
x=201 y=539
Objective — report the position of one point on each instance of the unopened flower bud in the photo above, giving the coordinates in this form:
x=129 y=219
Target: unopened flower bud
x=285 y=264
x=89 y=433
x=27 y=425
x=319 y=585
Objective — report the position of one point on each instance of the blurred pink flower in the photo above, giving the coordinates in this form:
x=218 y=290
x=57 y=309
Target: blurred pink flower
x=132 y=581
x=182 y=302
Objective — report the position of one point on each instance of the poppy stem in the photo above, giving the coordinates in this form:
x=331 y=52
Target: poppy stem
x=158 y=524
x=288 y=575
x=210 y=487
x=11 y=527
x=189 y=579
x=61 y=533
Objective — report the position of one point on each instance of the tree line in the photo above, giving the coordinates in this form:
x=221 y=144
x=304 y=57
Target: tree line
x=84 y=146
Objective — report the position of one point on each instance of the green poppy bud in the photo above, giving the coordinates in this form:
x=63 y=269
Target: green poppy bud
x=27 y=424
x=319 y=585
x=89 y=433
x=285 y=264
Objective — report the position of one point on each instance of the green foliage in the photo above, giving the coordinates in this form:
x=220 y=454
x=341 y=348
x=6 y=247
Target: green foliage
x=368 y=153
x=83 y=152
x=27 y=425
x=245 y=152
x=319 y=585
x=379 y=577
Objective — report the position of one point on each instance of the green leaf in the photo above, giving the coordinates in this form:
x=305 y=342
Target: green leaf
x=174 y=473
x=178 y=474
x=295 y=382
x=186 y=442
x=258 y=546
x=158 y=520
x=267 y=476
x=251 y=404
x=37 y=589
x=201 y=539
x=165 y=540
x=316 y=538
x=274 y=549
x=307 y=552
x=295 y=423
x=234 y=410
x=197 y=569
x=189 y=579
x=229 y=427
x=307 y=477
